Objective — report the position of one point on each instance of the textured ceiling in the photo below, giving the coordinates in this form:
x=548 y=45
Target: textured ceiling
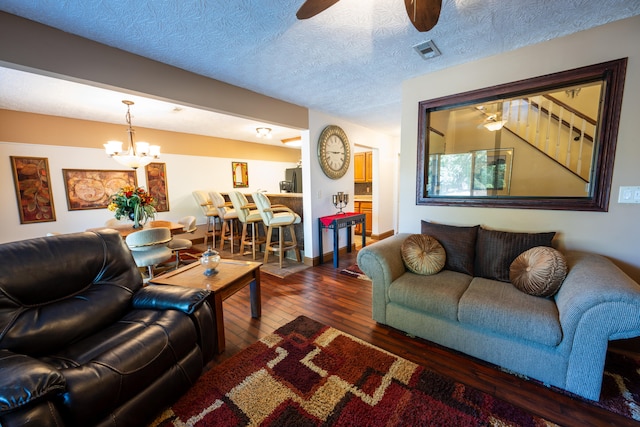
x=348 y=61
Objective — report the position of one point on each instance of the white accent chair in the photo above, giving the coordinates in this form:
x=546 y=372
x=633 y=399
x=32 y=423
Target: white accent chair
x=279 y=217
x=177 y=245
x=149 y=248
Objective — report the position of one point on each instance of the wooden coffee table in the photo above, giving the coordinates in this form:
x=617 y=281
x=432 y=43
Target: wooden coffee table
x=231 y=277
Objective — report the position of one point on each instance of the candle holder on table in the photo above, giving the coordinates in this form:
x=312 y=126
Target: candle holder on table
x=340 y=201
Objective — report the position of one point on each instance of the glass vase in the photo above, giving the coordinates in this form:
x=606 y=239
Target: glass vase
x=137 y=216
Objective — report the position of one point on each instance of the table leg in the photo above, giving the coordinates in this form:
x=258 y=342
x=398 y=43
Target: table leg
x=364 y=234
x=217 y=303
x=320 y=241
x=348 y=238
x=335 y=247
x=254 y=291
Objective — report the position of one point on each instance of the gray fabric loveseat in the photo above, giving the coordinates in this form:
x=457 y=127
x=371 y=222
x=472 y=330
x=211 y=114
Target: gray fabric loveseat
x=560 y=340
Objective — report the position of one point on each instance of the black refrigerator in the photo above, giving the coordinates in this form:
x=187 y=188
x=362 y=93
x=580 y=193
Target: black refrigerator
x=294 y=177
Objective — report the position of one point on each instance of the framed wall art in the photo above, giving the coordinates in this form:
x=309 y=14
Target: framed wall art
x=240 y=174
x=157 y=185
x=92 y=189
x=33 y=189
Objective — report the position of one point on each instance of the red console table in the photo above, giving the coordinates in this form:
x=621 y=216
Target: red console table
x=335 y=223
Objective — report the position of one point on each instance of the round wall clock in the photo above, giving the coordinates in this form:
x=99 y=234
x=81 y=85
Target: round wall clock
x=334 y=152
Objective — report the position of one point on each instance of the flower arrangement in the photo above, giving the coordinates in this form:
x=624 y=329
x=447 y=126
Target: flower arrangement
x=133 y=203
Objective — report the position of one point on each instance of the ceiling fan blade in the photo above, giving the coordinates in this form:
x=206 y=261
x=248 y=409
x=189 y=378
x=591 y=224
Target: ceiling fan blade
x=423 y=14
x=311 y=8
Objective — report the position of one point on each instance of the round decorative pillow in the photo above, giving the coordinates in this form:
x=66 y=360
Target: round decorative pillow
x=423 y=254
x=539 y=271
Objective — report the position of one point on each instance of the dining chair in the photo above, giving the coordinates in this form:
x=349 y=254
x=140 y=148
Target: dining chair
x=228 y=216
x=279 y=217
x=209 y=211
x=149 y=248
x=247 y=216
x=177 y=245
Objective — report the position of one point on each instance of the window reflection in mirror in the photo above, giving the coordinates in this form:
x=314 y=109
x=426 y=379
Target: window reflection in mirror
x=543 y=143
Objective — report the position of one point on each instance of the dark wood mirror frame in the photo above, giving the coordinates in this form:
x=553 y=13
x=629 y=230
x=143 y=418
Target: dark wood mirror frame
x=611 y=73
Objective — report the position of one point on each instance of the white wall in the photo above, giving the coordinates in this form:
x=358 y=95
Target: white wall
x=184 y=174
x=385 y=150
x=615 y=233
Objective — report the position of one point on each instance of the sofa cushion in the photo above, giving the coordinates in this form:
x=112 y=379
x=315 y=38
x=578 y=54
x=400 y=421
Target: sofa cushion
x=459 y=244
x=496 y=250
x=437 y=294
x=501 y=308
x=422 y=254
x=538 y=271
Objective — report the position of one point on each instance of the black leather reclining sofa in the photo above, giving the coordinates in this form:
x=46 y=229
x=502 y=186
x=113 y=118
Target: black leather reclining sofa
x=83 y=343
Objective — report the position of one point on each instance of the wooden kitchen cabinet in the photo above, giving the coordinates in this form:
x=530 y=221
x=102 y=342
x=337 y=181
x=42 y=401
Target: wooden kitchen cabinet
x=358 y=164
x=365 y=208
x=368 y=169
x=362 y=167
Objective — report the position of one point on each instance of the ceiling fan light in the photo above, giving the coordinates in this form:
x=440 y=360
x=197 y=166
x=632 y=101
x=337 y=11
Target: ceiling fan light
x=495 y=125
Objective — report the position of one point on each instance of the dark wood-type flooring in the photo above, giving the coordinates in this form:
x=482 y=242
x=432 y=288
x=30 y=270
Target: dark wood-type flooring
x=335 y=299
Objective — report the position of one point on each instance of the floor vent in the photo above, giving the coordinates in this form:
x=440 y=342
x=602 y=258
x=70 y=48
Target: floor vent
x=427 y=49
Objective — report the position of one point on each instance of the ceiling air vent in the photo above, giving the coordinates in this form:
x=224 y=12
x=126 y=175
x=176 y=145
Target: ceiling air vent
x=427 y=49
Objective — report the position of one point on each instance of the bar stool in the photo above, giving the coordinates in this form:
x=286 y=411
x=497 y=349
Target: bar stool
x=278 y=217
x=202 y=198
x=247 y=216
x=227 y=216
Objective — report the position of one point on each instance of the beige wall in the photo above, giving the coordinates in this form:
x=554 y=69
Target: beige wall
x=616 y=233
x=51 y=130
x=192 y=163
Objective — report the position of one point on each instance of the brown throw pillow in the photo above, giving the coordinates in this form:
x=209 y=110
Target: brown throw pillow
x=459 y=244
x=496 y=250
x=539 y=271
x=423 y=254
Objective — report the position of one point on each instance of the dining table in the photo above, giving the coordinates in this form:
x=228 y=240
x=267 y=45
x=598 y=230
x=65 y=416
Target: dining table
x=127 y=228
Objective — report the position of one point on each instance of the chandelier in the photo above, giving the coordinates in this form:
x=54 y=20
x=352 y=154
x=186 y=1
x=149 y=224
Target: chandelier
x=136 y=155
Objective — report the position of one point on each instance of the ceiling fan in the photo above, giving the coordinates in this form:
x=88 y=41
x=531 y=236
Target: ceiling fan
x=423 y=14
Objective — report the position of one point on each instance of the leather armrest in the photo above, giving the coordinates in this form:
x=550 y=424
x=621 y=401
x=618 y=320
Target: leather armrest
x=25 y=380
x=170 y=297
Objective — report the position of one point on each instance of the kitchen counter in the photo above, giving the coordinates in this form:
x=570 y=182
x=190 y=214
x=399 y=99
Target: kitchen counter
x=362 y=198
x=292 y=195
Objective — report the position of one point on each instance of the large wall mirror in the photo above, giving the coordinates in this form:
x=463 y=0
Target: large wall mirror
x=542 y=143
